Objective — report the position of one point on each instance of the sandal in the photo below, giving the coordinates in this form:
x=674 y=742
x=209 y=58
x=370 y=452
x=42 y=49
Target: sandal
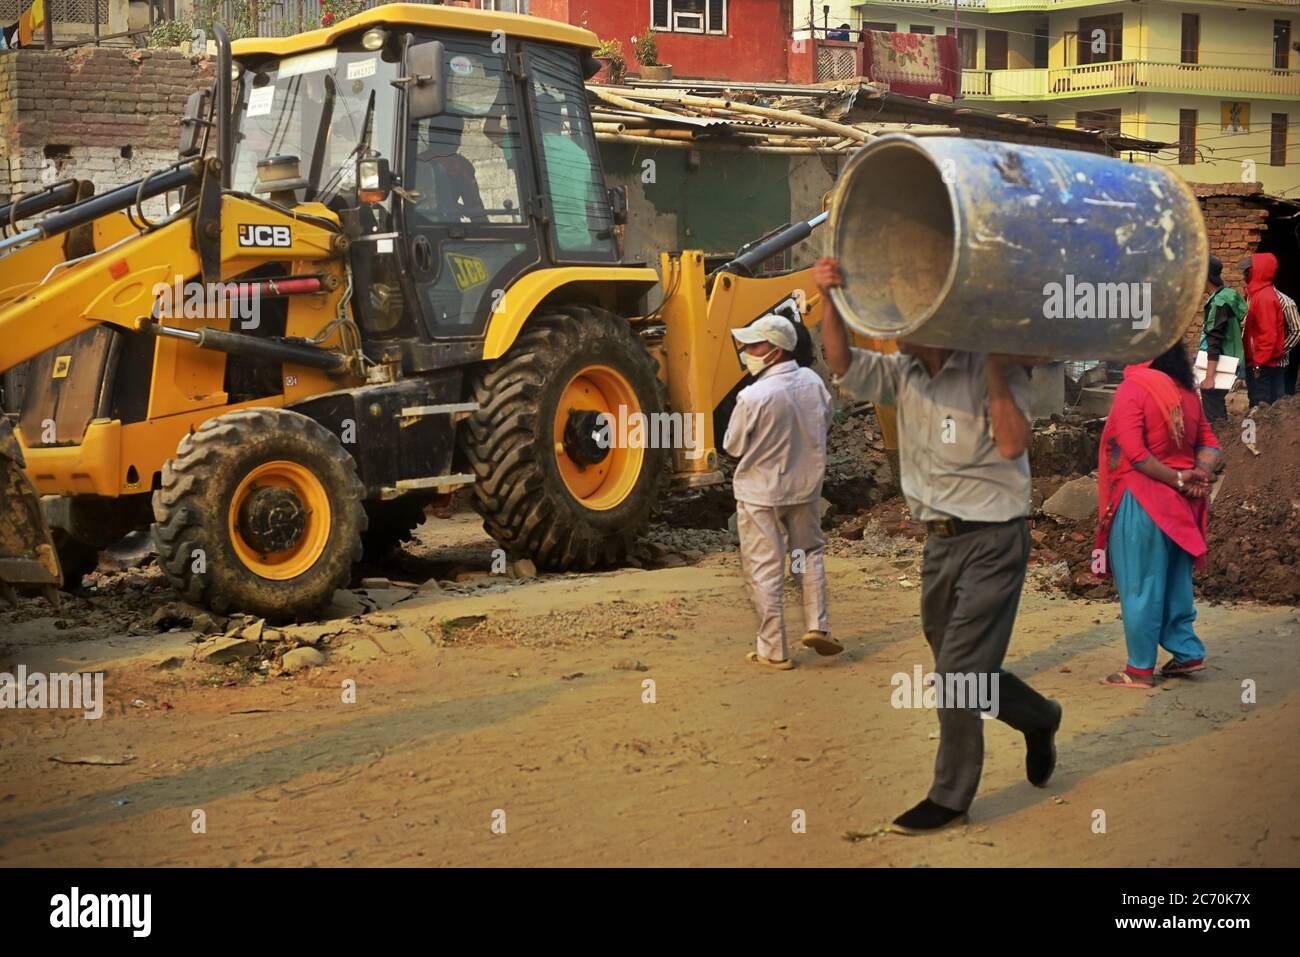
x=820 y=642
x=1123 y=679
x=785 y=664
x=1175 y=667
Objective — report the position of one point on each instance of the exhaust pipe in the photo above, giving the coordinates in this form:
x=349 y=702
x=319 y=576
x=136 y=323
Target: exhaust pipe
x=998 y=247
x=225 y=127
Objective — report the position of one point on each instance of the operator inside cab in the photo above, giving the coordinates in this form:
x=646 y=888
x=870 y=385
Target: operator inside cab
x=464 y=154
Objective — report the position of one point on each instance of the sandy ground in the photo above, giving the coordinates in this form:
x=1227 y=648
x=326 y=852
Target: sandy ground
x=522 y=720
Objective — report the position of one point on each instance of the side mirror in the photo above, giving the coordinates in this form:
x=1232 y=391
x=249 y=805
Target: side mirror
x=618 y=204
x=374 y=180
x=426 y=83
x=193 y=122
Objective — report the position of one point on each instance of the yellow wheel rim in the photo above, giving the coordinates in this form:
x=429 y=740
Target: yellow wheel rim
x=601 y=485
x=310 y=544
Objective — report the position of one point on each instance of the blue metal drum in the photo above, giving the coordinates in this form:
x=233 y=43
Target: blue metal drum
x=999 y=247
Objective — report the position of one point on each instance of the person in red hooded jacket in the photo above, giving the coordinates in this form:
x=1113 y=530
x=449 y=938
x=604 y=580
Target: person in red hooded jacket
x=1265 y=332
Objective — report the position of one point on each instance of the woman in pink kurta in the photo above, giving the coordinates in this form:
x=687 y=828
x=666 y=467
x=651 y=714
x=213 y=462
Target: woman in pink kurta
x=1157 y=456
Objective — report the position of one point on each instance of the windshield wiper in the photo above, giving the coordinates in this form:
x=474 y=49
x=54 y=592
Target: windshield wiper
x=362 y=149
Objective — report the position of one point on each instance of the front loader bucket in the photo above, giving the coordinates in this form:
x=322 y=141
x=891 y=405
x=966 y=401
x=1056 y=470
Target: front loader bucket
x=27 y=555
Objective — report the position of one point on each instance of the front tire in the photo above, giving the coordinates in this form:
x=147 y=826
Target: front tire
x=544 y=492
x=259 y=512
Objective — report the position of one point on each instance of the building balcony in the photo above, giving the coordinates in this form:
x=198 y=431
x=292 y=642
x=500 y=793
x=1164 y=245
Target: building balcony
x=1024 y=6
x=1131 y=76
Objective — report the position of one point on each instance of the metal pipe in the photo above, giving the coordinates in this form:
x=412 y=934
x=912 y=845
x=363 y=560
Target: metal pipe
x=985 y=246
x=225 y=121
x=32 y=204
x=239 y=344
x=20 y=238
x=124 y=197
x=752 y=257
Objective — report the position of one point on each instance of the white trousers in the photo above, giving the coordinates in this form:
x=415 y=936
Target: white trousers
x=768 y=536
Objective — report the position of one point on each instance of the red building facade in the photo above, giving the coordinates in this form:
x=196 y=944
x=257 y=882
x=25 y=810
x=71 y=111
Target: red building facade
x=742 y=40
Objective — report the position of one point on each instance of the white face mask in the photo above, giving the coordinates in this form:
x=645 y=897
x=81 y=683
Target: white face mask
x=756 y=364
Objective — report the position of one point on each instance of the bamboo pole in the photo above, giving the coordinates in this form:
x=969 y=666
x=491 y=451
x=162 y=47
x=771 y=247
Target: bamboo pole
x=609 y=127
x=613 y=99
x=788 y=116
x=714 y=145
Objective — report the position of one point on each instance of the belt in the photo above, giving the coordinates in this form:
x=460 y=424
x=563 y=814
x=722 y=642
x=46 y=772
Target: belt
x=949 y=527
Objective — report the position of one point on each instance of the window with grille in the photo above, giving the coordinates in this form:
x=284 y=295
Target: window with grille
x=967 y=46
x=1191 y=38
x=1277 y=140
x=689 y=16
x=1101 y=39
x=995 y=49
x=61 y=11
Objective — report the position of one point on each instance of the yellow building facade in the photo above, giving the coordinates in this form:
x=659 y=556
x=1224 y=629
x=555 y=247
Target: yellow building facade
x=1219 y=81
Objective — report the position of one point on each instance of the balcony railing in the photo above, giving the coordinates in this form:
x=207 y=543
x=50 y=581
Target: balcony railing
x=1011 y=6
x=1124 y=76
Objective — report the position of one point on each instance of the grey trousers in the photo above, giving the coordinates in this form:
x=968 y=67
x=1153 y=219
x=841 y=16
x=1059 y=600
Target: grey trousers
x=970 y=590
x=768 y=536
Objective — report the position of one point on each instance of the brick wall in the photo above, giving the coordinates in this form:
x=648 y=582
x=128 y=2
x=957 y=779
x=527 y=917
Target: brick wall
x=1236 y=217
x=107 y=115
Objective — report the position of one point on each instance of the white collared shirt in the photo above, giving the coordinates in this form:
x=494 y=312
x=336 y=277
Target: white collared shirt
x=778 y=431
x=951 y=464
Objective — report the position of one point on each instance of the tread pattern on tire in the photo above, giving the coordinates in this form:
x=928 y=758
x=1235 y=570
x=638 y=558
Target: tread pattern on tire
x=508 y=442
x=181 y=525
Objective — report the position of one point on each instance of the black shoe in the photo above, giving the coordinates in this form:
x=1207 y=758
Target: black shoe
x=1040 y=751
x=926 y=818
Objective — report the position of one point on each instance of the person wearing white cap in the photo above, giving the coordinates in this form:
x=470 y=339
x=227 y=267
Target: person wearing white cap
x=778 y=431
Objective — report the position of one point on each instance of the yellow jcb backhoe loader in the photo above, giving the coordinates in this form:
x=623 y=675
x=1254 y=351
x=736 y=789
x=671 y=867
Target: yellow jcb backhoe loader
x=408 y=281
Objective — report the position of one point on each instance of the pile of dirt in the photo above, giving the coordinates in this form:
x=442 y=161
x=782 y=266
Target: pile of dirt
x=857 y=470
x=1254 y=533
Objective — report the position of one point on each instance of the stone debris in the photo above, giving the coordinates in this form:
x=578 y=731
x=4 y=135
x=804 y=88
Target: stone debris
x=224 y=649
x=1074 y=501
x=300 y=659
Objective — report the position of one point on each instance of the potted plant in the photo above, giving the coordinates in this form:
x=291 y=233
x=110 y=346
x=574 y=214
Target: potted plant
x=613 y=65
x=646 y=50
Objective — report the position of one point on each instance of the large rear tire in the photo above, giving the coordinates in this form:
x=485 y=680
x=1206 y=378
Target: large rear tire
x=260 y=512
x=542 y=488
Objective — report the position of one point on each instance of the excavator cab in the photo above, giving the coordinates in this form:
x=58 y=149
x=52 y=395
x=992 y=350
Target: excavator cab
x=457 y=162
x=409 y=282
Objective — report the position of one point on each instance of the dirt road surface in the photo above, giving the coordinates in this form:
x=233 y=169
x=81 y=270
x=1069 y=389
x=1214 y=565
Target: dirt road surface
x=519 y=708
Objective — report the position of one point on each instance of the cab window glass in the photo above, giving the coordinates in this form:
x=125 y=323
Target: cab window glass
x=582 y=227
x=465 y=161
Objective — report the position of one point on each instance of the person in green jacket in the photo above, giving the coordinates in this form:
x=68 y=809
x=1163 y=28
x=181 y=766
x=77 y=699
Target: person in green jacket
x=1225 y=311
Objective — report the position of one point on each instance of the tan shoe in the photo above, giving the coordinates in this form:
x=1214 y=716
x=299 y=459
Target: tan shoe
x=785 y=664
x=820 y=642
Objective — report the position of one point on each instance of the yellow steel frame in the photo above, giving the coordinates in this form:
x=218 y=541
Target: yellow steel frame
x=420 y=15
x=117 y=288
x=527 y=293
x=702 y=368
